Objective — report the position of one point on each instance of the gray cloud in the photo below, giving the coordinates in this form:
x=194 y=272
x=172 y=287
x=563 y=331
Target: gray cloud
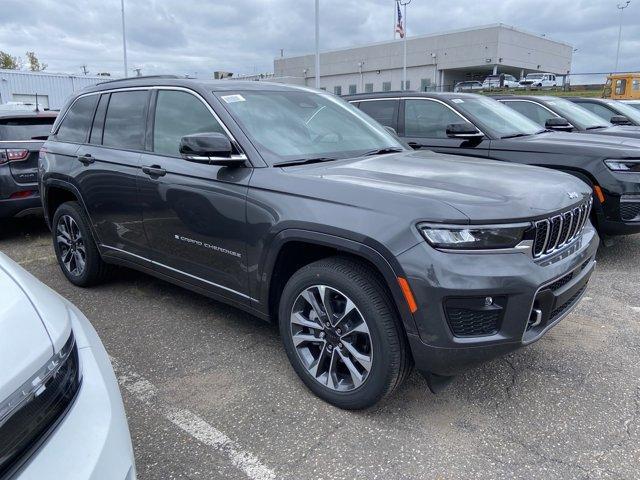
x=244 y=36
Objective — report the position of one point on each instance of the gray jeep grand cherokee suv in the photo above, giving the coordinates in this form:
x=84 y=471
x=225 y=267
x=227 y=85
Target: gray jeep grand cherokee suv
x=295 y=206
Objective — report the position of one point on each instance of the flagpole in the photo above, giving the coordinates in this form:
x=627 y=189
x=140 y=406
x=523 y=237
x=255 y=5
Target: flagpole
x=404 y=3
x=317 y=43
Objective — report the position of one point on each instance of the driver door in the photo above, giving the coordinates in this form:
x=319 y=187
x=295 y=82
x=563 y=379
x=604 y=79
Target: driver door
x=193 y=213
x=423 y=125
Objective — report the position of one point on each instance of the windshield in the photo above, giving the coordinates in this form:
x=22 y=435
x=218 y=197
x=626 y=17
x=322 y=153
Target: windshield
x=493 y=115
x=626 y=110
x=298 y=124
x=25 y=128
x=576 y=115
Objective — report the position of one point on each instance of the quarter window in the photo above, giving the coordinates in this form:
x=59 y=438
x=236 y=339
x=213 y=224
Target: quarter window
x=425 y=118
x=77 y=121
x=98 y=121
x=384 y=111
x=124 y=125
x=179 y=114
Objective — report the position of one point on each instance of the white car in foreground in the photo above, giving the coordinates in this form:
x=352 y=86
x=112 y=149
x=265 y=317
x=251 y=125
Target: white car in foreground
x=61 y=413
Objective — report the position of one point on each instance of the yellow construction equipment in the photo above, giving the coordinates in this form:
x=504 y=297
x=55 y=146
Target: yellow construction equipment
x=622 y=86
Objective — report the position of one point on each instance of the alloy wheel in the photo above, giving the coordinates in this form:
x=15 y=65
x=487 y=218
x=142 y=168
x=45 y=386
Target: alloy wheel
x=331 y=338
x=71 y=246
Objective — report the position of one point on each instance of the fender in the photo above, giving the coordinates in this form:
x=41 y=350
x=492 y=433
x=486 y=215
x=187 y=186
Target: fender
x=385 y=262
x=70 y=187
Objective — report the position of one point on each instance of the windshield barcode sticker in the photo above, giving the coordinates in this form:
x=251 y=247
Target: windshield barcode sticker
x=457 y=100
x=233 y=98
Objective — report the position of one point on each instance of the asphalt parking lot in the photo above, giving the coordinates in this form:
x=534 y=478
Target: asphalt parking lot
x=209 y=392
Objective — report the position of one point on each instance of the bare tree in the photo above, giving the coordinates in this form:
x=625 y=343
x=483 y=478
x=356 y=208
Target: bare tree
x=34 y=63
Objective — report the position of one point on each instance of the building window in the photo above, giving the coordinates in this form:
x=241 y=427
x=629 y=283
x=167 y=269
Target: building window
x=353 y=89
x=368 y=87
x=337 y=90
x=425 y=84
x=408 y=85
x=386 y=86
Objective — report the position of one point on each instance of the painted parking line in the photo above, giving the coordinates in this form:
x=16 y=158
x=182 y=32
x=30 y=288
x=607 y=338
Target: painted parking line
x=195 y=426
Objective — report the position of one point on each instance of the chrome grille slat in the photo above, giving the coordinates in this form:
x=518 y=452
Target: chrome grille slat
x=555 y=232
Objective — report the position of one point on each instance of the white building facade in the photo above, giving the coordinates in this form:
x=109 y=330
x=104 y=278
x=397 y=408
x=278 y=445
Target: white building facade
x=434 y=62
x=52 y=89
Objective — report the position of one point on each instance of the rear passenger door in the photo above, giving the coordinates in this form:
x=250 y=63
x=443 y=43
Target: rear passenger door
x=194 y=213
x=424 y=123
x=107 y=166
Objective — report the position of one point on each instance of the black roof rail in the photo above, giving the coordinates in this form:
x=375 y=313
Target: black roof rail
x=139 y=78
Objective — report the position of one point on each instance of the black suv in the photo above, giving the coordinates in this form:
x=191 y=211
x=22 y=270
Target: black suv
x=613 y=111
x=22 y=133
x=293 y=205
x=479 y=126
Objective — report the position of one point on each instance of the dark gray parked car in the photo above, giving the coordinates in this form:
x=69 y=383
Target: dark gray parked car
x=295 y=206
x=613 y=111
x=22 y=133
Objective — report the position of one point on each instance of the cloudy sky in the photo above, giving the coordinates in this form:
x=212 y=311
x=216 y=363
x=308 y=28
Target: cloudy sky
x=243 y=36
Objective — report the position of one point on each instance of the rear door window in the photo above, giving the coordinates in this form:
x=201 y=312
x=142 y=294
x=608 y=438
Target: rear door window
x=384 y=111
x=125 y=123
x=77 y=121
x=428 y=119
x=532 y=111
x=179 y=114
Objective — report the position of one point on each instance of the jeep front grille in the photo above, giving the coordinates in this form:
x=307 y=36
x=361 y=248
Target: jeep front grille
x=555 y=232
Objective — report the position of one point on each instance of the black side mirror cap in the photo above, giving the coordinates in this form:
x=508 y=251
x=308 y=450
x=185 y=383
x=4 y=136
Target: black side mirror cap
x=558 y=123
x=211 y=148
x=620 y=120
x=463 y=130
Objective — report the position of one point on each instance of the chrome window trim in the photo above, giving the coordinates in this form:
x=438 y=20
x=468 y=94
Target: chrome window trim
x=422 y=98
x=233 y=140
x=158 y=264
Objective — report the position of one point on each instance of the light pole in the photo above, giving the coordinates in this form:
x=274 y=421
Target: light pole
x=621 y=8
x=124 y=41
x=317 y=43
x=404 y=4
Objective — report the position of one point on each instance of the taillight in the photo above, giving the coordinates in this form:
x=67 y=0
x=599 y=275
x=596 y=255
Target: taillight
x=17 y=154
x=22 y=194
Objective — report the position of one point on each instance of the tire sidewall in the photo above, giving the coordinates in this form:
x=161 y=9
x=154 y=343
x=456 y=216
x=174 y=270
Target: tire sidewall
x=375 y=385
x=72 y=211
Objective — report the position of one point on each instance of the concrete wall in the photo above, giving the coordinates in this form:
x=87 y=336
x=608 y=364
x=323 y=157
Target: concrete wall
x=460 y=54
x=57 y=87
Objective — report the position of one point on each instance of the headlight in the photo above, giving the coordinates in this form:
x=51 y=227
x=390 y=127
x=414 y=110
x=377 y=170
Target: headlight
x=623 y=165
x=470 y=237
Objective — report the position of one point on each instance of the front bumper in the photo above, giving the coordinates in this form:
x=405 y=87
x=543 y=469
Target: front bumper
x=516 y=282
x=92 y=441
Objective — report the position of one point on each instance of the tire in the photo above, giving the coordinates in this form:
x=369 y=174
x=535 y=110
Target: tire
x=387 y=349
x=71 y=218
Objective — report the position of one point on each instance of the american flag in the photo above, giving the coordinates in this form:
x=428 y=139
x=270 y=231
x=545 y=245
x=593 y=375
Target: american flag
x=399 y=26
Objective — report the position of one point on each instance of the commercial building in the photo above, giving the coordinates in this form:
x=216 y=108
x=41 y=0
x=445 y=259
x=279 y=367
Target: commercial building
x=52 y=89
x=434 y=62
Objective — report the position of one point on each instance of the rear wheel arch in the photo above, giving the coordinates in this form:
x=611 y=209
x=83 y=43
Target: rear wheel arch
x=293 y=249
x=57 y=192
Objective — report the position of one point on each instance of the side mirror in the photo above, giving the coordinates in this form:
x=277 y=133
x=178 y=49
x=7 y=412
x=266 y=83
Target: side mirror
x=620 y=120
x=210 y=148
x=559 y=124
x=465 y=130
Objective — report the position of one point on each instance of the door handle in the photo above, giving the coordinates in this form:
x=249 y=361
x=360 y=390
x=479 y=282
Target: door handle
x=86 y=159
x=154 y=171
x=415 y=145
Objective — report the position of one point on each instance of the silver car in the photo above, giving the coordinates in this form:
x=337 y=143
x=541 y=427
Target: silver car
x=61 y=413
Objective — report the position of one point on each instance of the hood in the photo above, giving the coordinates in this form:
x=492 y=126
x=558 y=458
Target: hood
x=27 y=341
x=570 y=143
x=479 y=189
x=628 y=131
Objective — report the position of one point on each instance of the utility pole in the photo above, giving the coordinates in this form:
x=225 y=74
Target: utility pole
x=317 y=43
x=404 y=4
x=124 y=41
x=621 y=8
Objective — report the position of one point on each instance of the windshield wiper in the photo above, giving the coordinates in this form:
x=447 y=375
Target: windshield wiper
x=383 y=151
x=303 y=161
x=515 y=135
